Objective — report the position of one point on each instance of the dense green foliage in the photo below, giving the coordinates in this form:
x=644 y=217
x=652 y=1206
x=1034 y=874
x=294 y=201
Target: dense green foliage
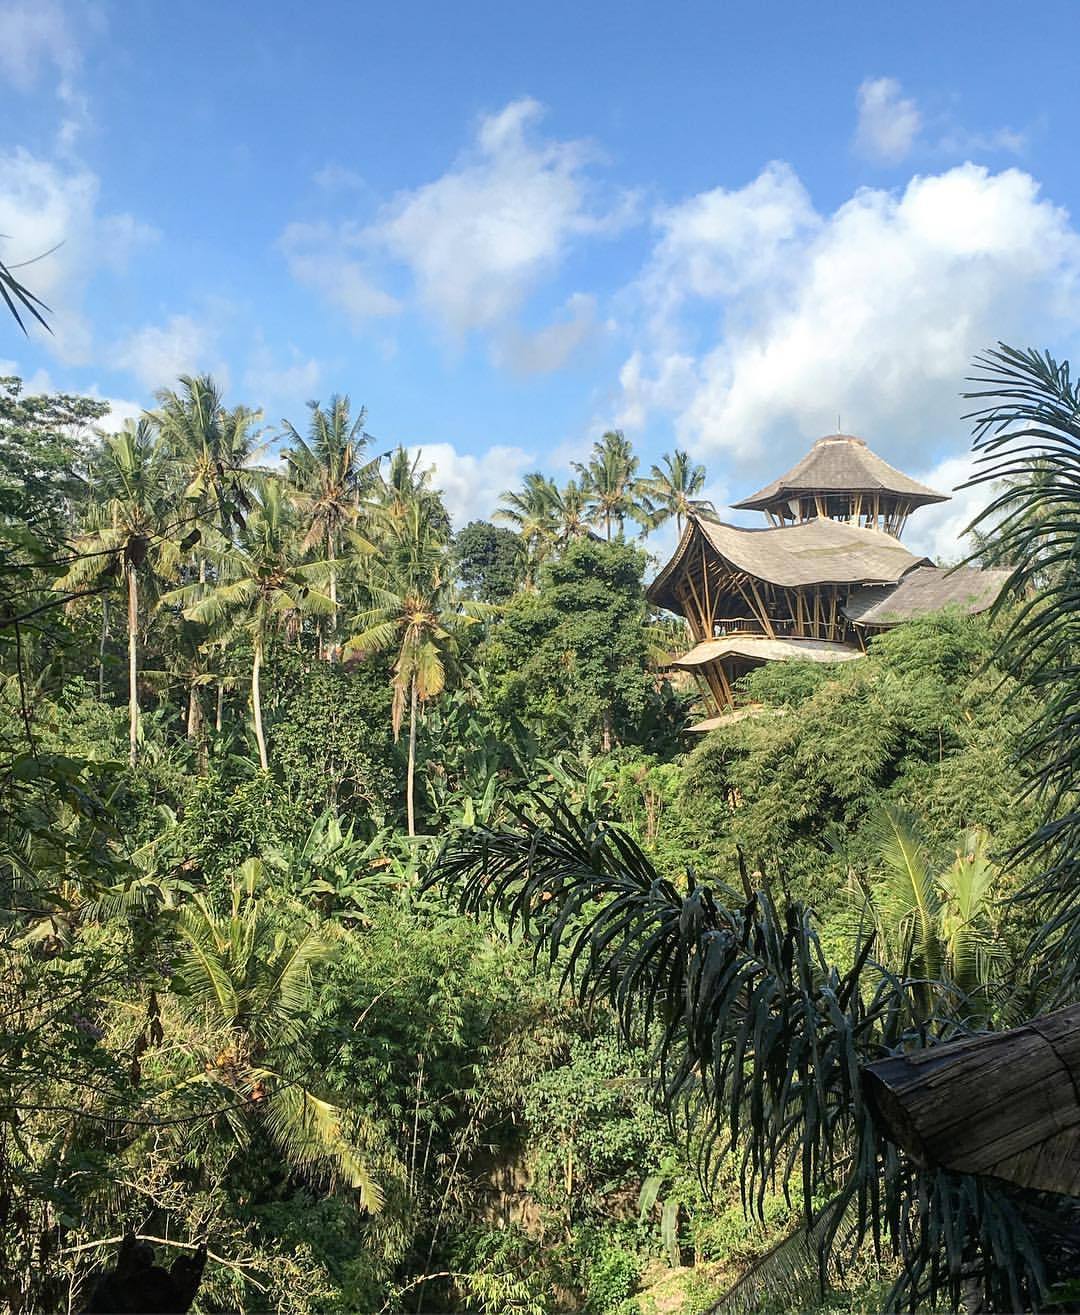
x=241 y=710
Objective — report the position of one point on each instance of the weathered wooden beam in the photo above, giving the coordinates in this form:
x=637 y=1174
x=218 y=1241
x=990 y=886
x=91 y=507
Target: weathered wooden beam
x=1006 y=1104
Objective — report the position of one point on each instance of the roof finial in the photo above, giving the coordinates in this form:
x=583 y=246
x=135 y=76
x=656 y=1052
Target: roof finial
x=838 y=429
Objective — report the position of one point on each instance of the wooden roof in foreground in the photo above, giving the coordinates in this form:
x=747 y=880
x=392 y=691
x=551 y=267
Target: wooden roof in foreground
x=927 y=589
x=841 y=463
x=817 y=552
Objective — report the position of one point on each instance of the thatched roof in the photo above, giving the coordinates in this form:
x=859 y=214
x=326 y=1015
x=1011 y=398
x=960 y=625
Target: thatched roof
x=1003 y=1104
x=753 y=710
x=759 y=648
x=815 y=552
x=923 y=590
x=841 y=463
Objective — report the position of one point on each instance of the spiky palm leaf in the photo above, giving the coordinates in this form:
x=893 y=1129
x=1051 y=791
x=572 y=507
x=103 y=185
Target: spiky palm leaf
x=672 y=489
x=761 y=1039
x=610 y=483
x=1027 y=441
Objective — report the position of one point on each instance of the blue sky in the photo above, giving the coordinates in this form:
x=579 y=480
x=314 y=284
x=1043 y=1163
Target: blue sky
x=505 y=228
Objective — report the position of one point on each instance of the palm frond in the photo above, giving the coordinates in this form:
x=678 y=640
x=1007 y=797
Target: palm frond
x=1027 y=441
x=760 y=1039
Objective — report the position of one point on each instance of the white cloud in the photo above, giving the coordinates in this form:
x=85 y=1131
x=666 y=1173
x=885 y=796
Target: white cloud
x=39 y=35
x=481 y=237
x=41 y=382
x=719 y=242
x=33 y=35
x=472 y=485
x=49 y=215
x=157 y=354
x=873 y=312
x=267 y=380
x=121 y=410
x=938 y=531
x=549 y=348
x=888 y=123
x=998 y=141
x=325 y=259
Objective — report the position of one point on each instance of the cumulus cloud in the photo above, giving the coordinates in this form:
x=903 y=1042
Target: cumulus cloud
x=269 y=381
x=157 y=354
x=38 y=36
x=939 y=531
x=474 y=242
x=888 y=122
x=33 y=35
x=549 y=348
x=49 y=215
x=481 y=236
x=720 y=242
x=327 y=259
x=472 y=485
x=873 y=312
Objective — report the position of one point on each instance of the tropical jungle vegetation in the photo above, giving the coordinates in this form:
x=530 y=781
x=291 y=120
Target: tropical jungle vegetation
x=370 y=917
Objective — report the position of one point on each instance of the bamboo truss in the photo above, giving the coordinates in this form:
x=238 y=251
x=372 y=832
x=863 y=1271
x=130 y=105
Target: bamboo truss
x=872 y=511
x=719 y=599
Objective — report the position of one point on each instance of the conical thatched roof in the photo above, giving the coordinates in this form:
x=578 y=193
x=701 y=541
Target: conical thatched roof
x=841 y=463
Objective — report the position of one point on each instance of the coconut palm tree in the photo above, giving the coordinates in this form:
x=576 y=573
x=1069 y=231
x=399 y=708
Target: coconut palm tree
x=405 y=483
x=610 y=483
x=263 y=582
x=132 y=532
x=328 y=478
x=214 y=450
x=572 y=514
x=533 y=511
x=671 y=491
x=251 y=986
x=415 y=614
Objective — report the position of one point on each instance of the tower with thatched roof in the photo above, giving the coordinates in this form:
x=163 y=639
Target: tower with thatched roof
x=827 y=571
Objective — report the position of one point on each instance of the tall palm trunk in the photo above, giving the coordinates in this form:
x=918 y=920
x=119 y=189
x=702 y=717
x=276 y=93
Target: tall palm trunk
x=410 y=809
x=332 y=627
x=194 y=715
x=133 y=663
x=256 y=702
x=219 y=711
x=101 y=646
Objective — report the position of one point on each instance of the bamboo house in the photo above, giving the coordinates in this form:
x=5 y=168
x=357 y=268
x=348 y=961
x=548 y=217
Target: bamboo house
x=826 y=572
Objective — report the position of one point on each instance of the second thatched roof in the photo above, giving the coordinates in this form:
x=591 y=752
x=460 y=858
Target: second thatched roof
x=926 y=589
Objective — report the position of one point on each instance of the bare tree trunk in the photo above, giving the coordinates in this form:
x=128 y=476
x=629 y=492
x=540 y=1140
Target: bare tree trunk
x=133 y=664
x=101 y=646
x=220 y=709
x=256 y=703
x=409 y=805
